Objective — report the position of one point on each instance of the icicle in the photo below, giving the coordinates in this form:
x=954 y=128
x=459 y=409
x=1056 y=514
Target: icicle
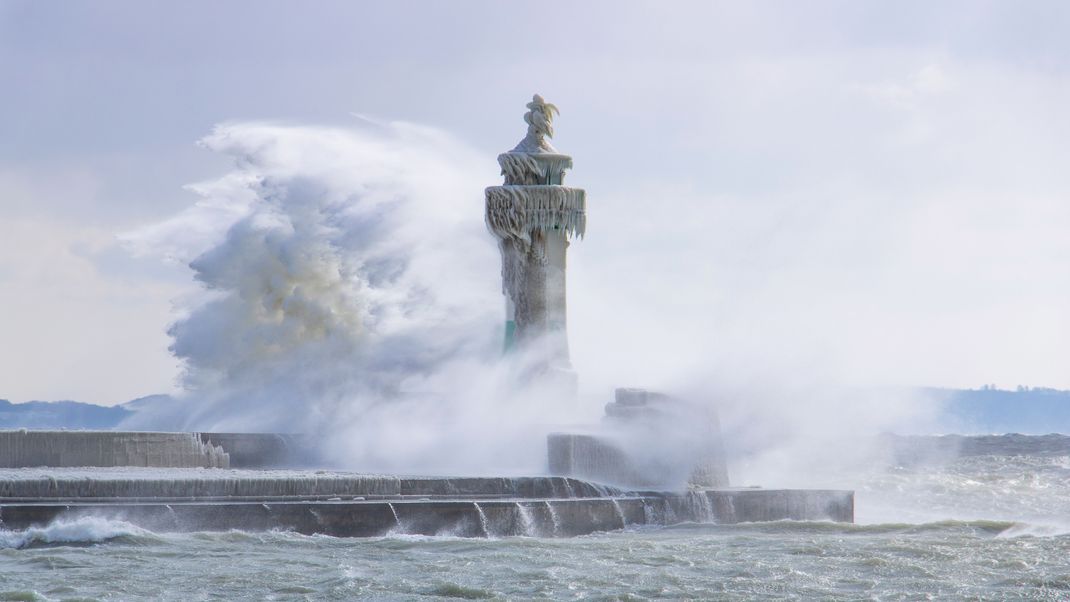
x=516 y=211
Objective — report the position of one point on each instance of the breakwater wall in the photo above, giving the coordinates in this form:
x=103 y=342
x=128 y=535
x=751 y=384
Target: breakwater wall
x=264 y=450
x=374 y=505
x=21 y=448
x=133 y=485
x=29 y=448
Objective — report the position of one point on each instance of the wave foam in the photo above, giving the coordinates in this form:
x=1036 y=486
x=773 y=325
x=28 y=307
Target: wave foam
x=81 y=530
x=1032 y=529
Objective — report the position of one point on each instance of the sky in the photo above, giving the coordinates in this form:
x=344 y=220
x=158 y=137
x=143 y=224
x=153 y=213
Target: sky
x=859 y=193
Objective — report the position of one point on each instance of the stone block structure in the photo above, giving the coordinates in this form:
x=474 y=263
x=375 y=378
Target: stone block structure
x=646 y=440
x=533 y=216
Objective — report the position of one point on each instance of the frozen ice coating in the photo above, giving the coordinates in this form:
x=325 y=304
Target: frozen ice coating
x=533 y=217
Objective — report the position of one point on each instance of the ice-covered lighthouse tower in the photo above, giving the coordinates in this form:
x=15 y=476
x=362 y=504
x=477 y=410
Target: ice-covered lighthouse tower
x=533 y=217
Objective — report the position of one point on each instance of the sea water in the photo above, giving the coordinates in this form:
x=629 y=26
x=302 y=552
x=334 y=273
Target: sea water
x=979 y=527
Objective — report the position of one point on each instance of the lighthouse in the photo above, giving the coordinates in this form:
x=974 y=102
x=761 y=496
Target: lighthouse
x=534 y=216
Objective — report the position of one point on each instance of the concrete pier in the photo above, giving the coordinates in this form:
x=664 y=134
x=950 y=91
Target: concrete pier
x=353 y=505
x=74 y=448
x=122 y=485
x=647 y=440
x=108 y=448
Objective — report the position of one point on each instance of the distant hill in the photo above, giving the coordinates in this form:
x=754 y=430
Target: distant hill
x=59 y=414
x=74 y=414
x=1035 y=411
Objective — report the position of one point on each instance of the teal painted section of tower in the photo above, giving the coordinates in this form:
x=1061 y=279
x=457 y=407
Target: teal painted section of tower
x=510 y=335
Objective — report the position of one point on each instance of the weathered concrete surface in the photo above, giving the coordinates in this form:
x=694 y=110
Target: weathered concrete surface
x=211 y=485
x=465 y=518
x=59 y=448
x=368 y=505
x=459 y=517
x=108 y=448
x=728 y=506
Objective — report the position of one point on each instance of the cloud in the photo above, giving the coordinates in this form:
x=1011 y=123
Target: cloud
x=929 y=81
x=873 y=245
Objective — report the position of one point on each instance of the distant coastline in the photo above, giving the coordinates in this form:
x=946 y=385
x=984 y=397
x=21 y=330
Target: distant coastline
x=992 y=411
x=985 y=411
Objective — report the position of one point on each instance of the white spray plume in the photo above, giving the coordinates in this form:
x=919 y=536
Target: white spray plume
x=340 y=264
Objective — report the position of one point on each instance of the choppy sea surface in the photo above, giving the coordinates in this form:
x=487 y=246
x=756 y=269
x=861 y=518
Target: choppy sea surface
x=989 y=526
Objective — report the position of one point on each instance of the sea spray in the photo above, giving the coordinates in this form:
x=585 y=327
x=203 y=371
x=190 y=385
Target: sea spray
x=176 y=524
x=483 y=524
x=527 y=521
x=85 y=529
x=319 y=288
x=649 y=515
x=555 y=520
x=397 y=521
x=349 y=291
x=669 y=513
x=619 y=512
x=700 y=507
x=569 y=493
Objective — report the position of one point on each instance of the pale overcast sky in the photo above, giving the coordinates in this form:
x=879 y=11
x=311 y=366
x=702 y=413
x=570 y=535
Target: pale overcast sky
x=876 y=193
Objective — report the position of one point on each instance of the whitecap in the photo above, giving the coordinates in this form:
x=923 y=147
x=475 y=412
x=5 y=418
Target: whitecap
x=81 y=530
